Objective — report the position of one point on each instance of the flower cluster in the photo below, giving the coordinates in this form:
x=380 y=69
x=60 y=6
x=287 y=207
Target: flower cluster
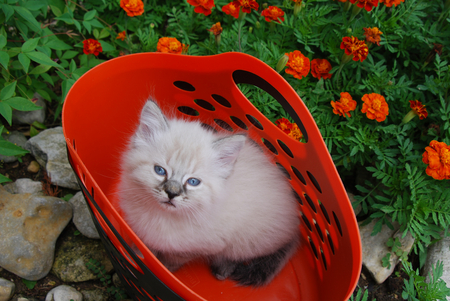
x=234 y=7
x=320 y=68
x=366 y=4
x=291 y=129
x=389 y=3
x=375 y=106
x=437 y=156
x=170 y=45
x=298 y=64
x=202 y=6
x=273 y=13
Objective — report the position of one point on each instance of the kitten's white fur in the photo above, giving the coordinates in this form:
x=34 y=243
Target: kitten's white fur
x=243 y=208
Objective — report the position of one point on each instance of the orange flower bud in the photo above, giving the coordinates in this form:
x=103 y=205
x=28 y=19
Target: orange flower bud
x=122 y=35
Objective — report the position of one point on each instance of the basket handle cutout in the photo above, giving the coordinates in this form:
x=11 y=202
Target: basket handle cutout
x=246 y=77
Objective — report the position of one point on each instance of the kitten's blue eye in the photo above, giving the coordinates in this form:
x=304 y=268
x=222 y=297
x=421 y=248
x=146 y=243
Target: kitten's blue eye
x=193 y=181
x=160 y=171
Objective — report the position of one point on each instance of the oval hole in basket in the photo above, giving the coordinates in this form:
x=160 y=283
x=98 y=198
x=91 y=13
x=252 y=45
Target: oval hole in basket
x=188 y=111
x=184 y=85
x=283 y=170
x=323 y=259
x=298 y=175
x=221 y=100
x=204 y=104
x=223 y=125
x=208 y=127
x=239 y=122
x=325 y=213
x=285 y=148
x=338 y=223
x=254 y=121
x=313 y=247
x=330 y=241
x=297 y=197
x=314 y=181
x=318 y=230
x=246 y=77
x=307 y=223
x=269 y=146
x=310 y=202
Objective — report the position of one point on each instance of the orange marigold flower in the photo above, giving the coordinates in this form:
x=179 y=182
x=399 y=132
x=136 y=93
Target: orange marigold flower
x=122 y=35
x=300 y=1
x=202 y=6
x=248 y=5
x=366 y=4
x=320 y=68
x=389 y=3
x=284 y=124
x=91 y=46
x=132 y=7
x=291 y=129
x=375 y=106
x=273 y=13
x=373 y=35
x=418 y=108
x=298 y=64
x=169 y=45
x=216 y=29
x=437 y=156
x=344 y=105
x=232 y=8
x=353 y=46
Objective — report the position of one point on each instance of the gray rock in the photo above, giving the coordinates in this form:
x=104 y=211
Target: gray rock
x=95 y=295
x=26 y=185
x=30 y=225
x=49 y=149
x=72 y=254
x=7 y=289
x=82 y=217
x=23 y=298
x=440 y=251
x=18 y=139
x=374 y=248
x=64 y=293
x=28 y=117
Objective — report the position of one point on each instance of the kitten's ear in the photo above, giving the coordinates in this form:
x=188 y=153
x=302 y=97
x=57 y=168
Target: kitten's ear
x=152 y=121
x=227 y=152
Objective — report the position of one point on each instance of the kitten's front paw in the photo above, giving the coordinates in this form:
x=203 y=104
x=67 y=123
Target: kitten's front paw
x=222 y=270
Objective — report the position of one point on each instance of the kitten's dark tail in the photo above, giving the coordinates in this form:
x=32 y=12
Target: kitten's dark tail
x=261 y=270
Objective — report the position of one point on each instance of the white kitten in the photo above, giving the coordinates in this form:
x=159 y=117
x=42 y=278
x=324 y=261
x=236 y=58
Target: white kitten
x=188 y=192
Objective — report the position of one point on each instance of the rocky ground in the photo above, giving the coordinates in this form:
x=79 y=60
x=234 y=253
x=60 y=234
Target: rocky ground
x=51 y=212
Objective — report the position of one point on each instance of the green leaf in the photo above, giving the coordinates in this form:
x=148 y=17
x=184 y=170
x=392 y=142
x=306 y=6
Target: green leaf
x=10 y=149
x=39 y=125
x=4 y=59
x=25 y=61
x=90 y=15
x=40 y=69
x=30 y=45
x=22 y=104
x=33 y=131
x=58 y=45
x=25 y=13
x=8 y=91
x=6 y=112
x=29 y=284
x=88 y=26
x=4 y=179
x=41 y=58
x=8 y=10
x=56 y=11
x=2 y=41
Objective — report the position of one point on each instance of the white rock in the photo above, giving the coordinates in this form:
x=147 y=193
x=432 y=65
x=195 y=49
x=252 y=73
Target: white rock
x=374 y=248
x=82 y=217
x=439 y=251
x=49 y=149
x=7 y=289
x=64 y=293
x=28 y=186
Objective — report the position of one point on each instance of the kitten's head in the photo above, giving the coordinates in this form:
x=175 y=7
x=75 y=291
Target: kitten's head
x=181 y=165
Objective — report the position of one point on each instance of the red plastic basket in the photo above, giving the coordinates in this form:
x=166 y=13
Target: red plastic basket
x=101 y=112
